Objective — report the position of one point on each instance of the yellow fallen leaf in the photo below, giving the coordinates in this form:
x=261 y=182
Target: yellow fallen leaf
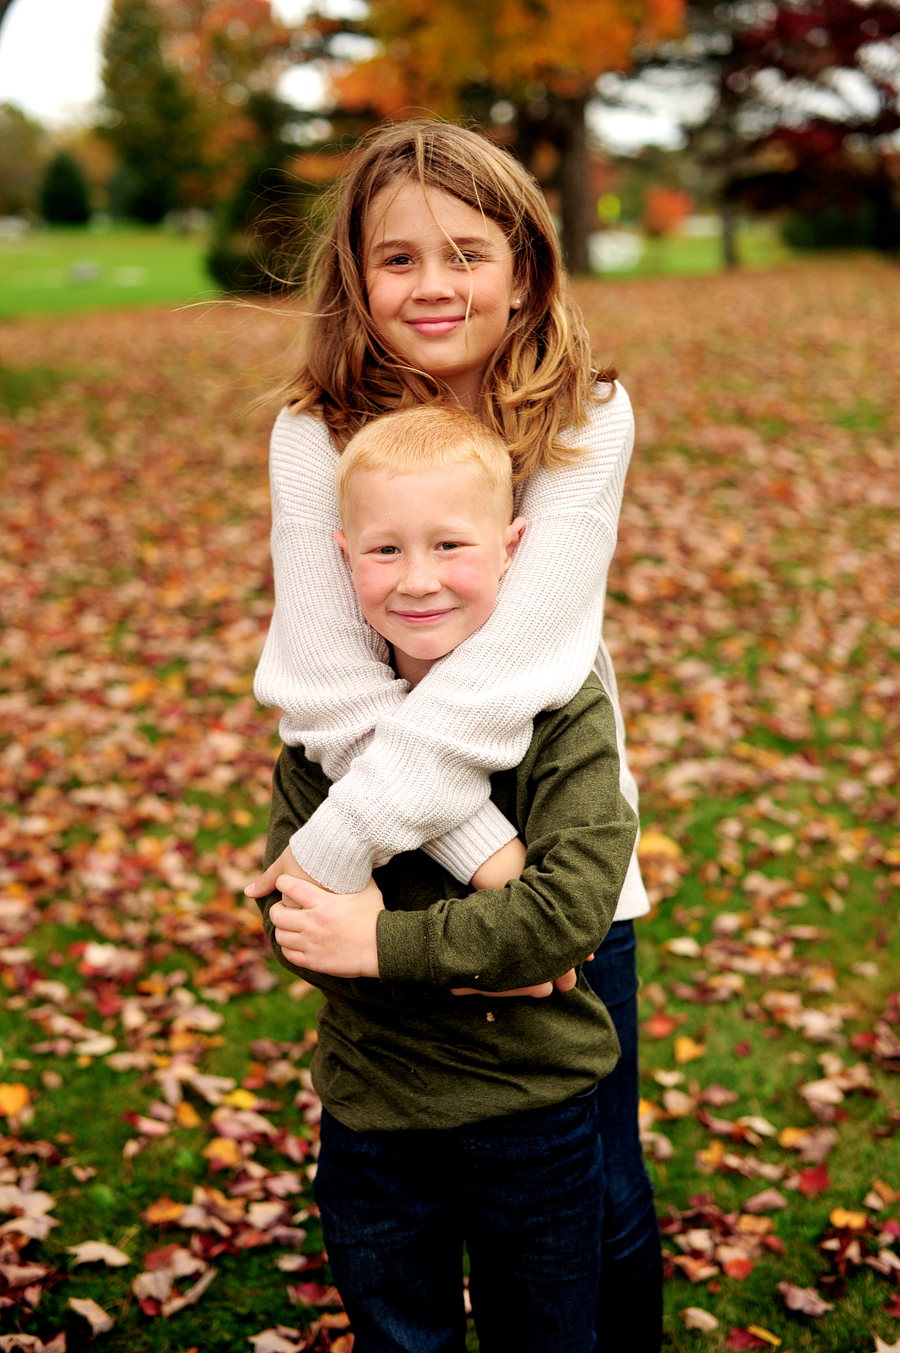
x=657 y=843
x=765 y=1334
x=223 y=1151
x=161 y=1212
x=855 y=1221
x=14 y=1096
x=790 y=1137
x=241 y=1099
x=186 y=1115
x=686 y=1050
x=711 y=1157
x=886 y=1193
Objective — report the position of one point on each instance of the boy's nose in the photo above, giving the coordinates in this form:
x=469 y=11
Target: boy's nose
x=419 y=581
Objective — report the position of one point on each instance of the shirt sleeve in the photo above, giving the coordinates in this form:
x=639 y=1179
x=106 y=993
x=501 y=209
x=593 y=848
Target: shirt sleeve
x=579 y=832
x=425 y=769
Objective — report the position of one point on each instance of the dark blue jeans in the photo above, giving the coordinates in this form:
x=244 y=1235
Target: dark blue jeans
x=525 y=1194
x=629 y=1313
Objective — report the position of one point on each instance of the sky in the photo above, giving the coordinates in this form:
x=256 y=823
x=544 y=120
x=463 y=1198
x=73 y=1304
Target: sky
x=50 y=68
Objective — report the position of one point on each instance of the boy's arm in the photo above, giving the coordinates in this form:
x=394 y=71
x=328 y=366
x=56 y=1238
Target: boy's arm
x=579 y=833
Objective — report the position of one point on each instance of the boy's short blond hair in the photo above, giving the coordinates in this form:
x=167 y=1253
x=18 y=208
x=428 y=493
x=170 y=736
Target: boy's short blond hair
x=428 y=437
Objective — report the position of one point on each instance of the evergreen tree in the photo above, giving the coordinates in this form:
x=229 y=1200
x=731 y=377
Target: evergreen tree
x=64 y=192
x=153 y=123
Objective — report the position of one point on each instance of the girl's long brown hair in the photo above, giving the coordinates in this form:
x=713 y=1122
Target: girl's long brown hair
x=537 y=383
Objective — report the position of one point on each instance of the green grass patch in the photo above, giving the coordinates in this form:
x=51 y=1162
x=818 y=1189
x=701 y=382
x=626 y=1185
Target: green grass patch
x=59 y=271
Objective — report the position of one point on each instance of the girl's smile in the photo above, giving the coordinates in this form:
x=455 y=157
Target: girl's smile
x=439 y=281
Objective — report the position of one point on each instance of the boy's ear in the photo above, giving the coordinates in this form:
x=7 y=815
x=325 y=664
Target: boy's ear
x=341 y=540
x=511 y=538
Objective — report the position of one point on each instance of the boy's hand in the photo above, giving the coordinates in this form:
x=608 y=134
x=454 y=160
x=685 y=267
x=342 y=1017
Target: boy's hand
x=328 y=932
x=505 y=864
x=285 y=864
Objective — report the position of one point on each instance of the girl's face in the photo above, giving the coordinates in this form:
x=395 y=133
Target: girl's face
x=415 y=250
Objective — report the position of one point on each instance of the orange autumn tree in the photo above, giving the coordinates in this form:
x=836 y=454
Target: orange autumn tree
x=542 y=58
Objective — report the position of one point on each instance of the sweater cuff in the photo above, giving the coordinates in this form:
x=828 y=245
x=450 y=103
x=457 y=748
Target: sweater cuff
x=464 y=850
x=402 y=946
x=331 y=854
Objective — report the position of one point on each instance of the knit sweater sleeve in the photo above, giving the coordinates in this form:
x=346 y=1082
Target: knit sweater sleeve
x=324 y=666
x=425 y=770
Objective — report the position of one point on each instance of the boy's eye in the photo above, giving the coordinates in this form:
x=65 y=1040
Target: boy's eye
x=387 y=549
x=448 y=545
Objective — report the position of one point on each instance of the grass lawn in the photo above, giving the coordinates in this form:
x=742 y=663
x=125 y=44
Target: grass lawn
x=753 y=617
x=63 y=270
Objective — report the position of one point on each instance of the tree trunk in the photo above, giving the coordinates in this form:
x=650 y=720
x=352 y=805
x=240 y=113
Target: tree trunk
x=730 y=257
x=573 y=182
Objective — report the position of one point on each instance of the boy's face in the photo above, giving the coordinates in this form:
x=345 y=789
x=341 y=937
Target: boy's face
x=426 y=552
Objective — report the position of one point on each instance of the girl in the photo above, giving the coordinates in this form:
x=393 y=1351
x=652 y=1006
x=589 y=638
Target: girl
x=440 y=279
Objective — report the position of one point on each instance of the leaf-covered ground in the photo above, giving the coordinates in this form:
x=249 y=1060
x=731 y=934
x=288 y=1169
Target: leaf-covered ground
x=160 y=1130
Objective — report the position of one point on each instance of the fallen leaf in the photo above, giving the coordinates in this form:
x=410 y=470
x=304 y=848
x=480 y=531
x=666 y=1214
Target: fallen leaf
x=768 y=1201
x=661 y=1025
x=686 y=1050
x=804 y=1299
x=814 y=1181
x=854 y=1221
x=14 y=1096
x=95 y=1315
x=163 y=1212
x=97 y=1251
x=695 y=1318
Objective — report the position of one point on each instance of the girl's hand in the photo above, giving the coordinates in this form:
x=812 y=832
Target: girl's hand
x=285 y=864
x=565 y=983
x=328 y=932
x=505 y=864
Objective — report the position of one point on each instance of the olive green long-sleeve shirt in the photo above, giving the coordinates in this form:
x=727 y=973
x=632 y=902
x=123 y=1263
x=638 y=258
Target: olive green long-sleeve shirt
x=402 y=1052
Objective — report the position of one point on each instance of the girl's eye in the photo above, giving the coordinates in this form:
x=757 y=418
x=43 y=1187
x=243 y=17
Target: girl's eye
x=399 y=261
x=465 y=257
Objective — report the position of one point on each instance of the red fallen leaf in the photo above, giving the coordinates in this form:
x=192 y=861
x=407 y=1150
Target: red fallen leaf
x=312 y=1294
x=159 y=1258
x=744 y=1050
x=739 y=1269
x=861 y=1042
x=661 y=1025
x=739 y=1338
x=893 y=1306
x=149 y=1306
x=892 y=1227
x=815 y=1181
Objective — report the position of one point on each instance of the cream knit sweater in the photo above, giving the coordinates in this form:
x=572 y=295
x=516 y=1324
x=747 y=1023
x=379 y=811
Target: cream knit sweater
x=411 y=768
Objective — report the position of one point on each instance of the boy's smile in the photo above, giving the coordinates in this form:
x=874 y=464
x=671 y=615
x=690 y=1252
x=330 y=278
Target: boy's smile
x=426 y=553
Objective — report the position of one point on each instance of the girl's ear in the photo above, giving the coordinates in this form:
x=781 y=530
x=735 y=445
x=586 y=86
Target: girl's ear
x=341 y=540
x=511 y=538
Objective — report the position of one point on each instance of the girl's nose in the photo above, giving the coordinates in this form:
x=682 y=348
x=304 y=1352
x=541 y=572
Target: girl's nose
x=434 y=282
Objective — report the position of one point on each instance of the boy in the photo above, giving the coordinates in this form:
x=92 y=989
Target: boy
x=450 y=1120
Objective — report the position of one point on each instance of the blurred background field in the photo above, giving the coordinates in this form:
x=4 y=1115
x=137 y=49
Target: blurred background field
x=68 y=269
x=54 y=271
